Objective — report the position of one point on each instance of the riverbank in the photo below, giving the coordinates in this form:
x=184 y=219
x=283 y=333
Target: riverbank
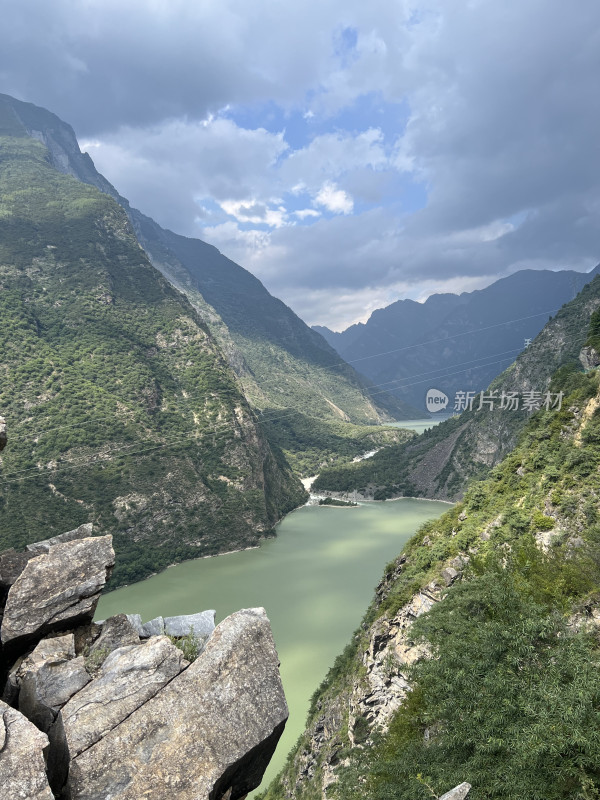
x=360 y=497
x=315 y=579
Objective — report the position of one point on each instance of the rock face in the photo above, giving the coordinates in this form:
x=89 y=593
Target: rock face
x=92 y=711
x=127 y=679
x=22 y=768
x=458 y=793
x=48 y=678
x=589 y=358
x=82 y=532
x=2 y=433
x=212 y=730
x=117 y=632
x=57 y=590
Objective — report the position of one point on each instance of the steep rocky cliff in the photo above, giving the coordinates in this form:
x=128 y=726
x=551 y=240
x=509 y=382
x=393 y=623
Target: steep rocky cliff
x=116 y=710
x=504 y=592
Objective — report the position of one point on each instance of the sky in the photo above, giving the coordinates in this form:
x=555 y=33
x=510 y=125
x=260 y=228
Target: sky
x=349 y=154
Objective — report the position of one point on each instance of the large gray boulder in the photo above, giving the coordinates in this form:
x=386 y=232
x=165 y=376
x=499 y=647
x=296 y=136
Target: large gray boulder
x=201 y=624
x=22 y=768
x=57 y=590
x=155 y=627
x=116 y=632
x=210 y=732
x=48 y=678
x=127 y=679
x=136 y=622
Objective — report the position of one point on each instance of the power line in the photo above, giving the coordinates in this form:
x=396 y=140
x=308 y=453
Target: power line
x=372 y=386
x=34 y=473
x=448 y=338
x=352 y=361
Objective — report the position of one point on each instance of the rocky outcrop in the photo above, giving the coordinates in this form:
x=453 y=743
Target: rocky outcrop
x=458 y=793
x=48 y=678
x=2 y=433
x=22 y=768
x=82 y=532
x=390 y=650
x=589 y=358
x=93 y=711
x=116 y=632
x=56 y=590
x=209 y=732
x=127 y=679
x=202 y=624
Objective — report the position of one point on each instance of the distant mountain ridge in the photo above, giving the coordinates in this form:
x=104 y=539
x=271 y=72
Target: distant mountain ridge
x=455 y=342
x=443 y=461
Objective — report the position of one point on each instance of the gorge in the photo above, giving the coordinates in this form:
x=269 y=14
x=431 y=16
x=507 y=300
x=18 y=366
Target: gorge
x=156 y=390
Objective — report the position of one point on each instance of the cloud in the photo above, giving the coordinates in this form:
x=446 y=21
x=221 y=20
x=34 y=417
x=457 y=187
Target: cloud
x=476 y=154
x=306 y=213
x=106 y=64
x=334 y=199
x=182 y=170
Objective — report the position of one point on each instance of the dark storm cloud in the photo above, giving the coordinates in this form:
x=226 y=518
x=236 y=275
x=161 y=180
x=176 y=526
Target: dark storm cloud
x=104 y=64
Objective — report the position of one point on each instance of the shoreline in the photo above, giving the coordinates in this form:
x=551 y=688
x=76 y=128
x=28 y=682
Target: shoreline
x=363 y=499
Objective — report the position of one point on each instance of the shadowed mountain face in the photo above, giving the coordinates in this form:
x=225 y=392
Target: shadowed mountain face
x=281 y=362
x=121 y=407
x=455 y=342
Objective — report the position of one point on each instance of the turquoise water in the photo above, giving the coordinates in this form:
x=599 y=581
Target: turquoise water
x=315 y=579
x=418 y=425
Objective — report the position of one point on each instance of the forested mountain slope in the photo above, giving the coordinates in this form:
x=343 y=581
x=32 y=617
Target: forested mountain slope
x=441 y=462
x=455 y=342
x=478 y=658
x=121 y=407
x=280 y=361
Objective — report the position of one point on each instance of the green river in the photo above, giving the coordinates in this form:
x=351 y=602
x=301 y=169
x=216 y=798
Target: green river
x=315 y=579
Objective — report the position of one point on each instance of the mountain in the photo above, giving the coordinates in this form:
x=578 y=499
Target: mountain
x=122 y=407
x=455 y=342
x=283 y=366
x=474 y=670
x=445 y=459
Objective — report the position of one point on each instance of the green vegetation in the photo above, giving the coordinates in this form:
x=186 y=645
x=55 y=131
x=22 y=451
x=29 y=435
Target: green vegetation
x=388 y=473
x=509 y=699
x=188 y=645
x=93 y=660
x=120 y=407
x=309 y=444
x=332 y=501
x=593 y=339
